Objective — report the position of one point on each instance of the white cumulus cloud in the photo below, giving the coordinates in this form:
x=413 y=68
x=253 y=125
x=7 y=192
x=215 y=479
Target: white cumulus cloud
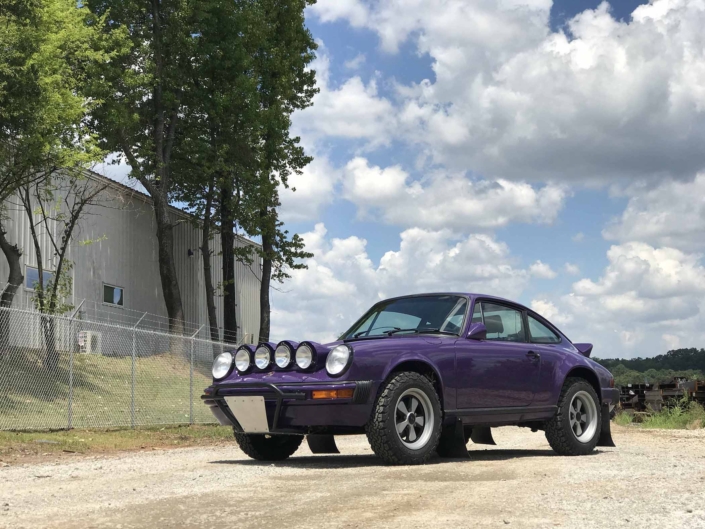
x=342 y=281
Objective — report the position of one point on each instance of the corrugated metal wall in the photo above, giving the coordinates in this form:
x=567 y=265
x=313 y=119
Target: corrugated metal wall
x=123 y=253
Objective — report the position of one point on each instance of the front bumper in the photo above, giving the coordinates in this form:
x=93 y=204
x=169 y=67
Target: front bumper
x=289 y=406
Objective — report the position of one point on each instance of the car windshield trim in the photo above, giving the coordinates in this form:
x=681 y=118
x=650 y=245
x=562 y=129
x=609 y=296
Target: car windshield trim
x=439 y=325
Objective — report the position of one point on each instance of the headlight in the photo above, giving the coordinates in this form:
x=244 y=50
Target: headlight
x=263 y=357
x=222 y=365
x=339 y=358
x=242 y=360
x=282 y=355
x=304 y=356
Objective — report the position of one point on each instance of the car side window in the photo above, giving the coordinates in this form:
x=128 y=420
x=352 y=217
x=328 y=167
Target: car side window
x=476 y=314
x=540 y=333
x=503 y=323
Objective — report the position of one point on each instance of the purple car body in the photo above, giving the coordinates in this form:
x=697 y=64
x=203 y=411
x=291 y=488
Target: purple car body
x=480 y=381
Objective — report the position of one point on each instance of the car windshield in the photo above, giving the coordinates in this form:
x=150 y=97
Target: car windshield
x=442 y=314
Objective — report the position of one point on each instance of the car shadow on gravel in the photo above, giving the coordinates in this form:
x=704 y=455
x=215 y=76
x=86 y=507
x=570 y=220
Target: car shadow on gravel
x=351 y=461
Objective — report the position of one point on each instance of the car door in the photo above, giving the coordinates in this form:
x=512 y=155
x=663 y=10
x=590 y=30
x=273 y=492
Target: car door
x=552 y=347
x=501 y=371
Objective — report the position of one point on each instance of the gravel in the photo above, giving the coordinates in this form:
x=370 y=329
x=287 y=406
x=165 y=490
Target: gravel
x=652 y=479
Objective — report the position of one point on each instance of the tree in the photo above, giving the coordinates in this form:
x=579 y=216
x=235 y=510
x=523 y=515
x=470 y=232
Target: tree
x=142 y=102
x=219 y=143
x=46 y=48
x=285 y=84
x=59 y=203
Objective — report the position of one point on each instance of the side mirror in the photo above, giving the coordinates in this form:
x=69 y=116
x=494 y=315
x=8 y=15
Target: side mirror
x=477 y=331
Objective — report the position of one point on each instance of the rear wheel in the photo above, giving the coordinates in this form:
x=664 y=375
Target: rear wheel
x=575 y=429
x=268 y=447
x=406 y=423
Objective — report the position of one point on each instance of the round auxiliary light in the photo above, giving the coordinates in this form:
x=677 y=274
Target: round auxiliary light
x=263 y=357
x=338 y=360
x=242 y=360
x=304 y=356
x=282 y=355
x=222 y=365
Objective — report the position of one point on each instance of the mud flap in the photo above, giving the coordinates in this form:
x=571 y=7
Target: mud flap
x=452 y=443
x=482 y=435
x=322 y=444
x=605 y=432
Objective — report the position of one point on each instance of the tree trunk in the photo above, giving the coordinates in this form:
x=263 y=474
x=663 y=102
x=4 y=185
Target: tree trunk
x=14 y=280
x=227 y=243
x=15 y=277
x=167 y=269
x=264 y=307
x=210 y=290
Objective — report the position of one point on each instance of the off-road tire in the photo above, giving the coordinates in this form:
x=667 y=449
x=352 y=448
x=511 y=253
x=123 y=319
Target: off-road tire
x=381 y=429
x=558 y=431
x=268 y=447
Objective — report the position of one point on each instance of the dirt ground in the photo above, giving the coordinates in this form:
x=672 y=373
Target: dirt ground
x=652 y=479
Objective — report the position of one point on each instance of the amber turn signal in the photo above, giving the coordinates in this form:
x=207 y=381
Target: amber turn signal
x=332 y=394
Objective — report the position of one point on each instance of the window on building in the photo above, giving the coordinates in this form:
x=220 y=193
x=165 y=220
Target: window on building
x=540 y=333
x=31 y=277
x=113 y=295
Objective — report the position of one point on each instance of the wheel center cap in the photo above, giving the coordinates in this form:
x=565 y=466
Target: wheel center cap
x=578 y=417
x=411 y=418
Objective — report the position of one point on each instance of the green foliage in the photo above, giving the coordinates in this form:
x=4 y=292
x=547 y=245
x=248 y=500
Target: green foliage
x=677 y=360
x=683 y=415
x=686 y=363
x=46 y=48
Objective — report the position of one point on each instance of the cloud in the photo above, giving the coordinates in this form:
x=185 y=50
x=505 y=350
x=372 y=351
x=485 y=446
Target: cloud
x=356 y=62
x=342 y=281
x=600 y=101
x=443 y=200
x=671 y=214
x=542 y=271
x=578 y=237
x=572 y=269
x=352 y=110
x=644 y=294
x=549 y=311
x=314 y=190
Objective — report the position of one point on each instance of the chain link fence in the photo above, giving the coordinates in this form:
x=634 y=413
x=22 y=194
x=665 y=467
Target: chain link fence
x=61 y=372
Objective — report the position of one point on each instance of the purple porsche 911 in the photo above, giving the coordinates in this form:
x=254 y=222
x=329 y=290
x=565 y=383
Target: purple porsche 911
x=418 y=375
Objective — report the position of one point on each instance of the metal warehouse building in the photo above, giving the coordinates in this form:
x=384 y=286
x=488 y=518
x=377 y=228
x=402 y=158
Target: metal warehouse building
x=115 y=264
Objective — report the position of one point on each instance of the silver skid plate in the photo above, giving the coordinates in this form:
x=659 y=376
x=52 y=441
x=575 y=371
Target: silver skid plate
x=250 y=413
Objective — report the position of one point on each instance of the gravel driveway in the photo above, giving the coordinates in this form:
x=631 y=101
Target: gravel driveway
x=653 y=479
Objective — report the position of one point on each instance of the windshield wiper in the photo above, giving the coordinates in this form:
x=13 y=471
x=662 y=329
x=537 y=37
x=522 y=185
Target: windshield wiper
x=358 y=334
x=420 y=331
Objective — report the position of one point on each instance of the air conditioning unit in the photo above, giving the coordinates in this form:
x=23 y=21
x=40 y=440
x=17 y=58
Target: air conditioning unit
x=90 y=342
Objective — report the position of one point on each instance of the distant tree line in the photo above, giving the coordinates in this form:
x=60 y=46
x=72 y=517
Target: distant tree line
x=687 y=363
x=195 y=95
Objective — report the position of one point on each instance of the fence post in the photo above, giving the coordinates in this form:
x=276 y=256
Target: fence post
x=71 y=342
x=190 y=382
x=132 y=385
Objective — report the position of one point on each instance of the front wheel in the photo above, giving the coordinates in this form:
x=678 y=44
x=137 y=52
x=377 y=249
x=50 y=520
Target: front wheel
x=575 y=429
x=268 y=447
x=406 y=422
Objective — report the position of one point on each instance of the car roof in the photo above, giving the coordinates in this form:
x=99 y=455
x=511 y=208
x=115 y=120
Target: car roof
x=464 y=294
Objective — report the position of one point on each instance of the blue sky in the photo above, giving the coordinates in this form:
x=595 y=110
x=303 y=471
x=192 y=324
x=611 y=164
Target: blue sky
x=524 y=148
x=549 y=152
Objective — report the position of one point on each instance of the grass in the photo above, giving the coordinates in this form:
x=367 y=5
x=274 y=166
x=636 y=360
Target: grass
x=687 y=415
x=16 y=446
x=33 y=398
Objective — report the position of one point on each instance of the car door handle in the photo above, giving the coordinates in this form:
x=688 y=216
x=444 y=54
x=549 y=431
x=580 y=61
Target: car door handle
x=533 y=355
